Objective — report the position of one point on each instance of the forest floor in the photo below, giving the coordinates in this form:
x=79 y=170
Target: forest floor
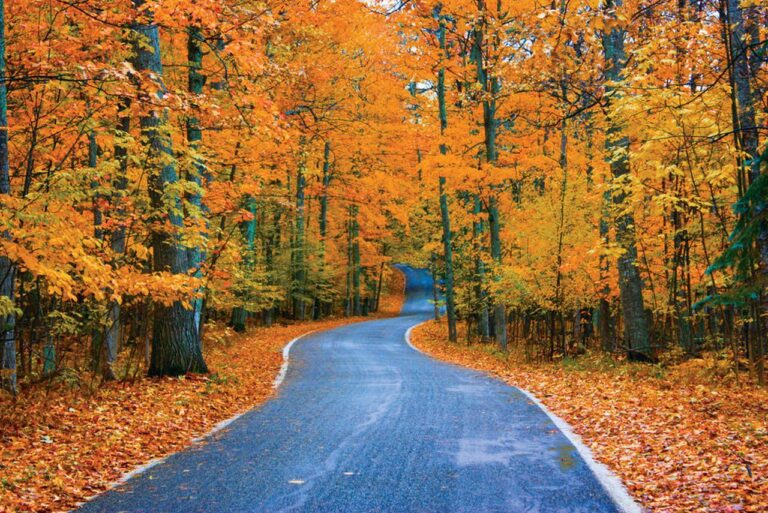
x=679 y=445
x=60 y=444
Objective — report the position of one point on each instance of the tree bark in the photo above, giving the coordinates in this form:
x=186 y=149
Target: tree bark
x=450 y=303
x=348 y=284
x=7 y=269
x=175 y=346
x=248 y=228
x=478 y=228
x=357 y=306
x=636 y=328
x=490 y=87
x=447 y=248
x=103 y=346
x=741 y=30
x=499 y=309
x=324 y=305
x=118 y=242
x=379 y=283
x=299 y=243
x=196 y=82
x=435 y=293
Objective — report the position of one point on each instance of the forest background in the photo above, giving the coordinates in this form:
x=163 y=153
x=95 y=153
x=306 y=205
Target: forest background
x=585 y=179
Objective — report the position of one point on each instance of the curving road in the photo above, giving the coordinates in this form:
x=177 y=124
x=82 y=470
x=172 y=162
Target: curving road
x=364 y=423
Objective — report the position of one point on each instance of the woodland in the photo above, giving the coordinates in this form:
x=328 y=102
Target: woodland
x=586 y=180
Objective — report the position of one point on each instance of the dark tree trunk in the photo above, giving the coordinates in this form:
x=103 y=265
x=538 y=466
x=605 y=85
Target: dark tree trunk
x=356 y=303
x=499 y=309
x=248 y=229
x=299 y=244
x=742 y=29
x=435 y=293
x=324 y=197
x=175 y=346
x=490 y=86
x=448 y=249
x=379 y=284
x=198 y=173
x=636 y=329
x=478 y=229
x=323 y=305
x=239 y=319
x=118 y=243
x=7 y=269
x=103 y=348
x=348 y=288
x=450 y=302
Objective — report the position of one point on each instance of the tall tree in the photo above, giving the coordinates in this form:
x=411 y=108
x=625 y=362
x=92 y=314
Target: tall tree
x=175 y=346
x=450 y=300
x=195 y=82
x=248 y=229
x=7 y=269
x=741 y=34
x=490 y=87
x=299 y=244
x=322 y=304
x=636 y=328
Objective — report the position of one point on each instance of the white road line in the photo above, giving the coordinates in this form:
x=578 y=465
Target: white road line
x=610 y=481
x=607 y=479
x=408 y=338
x=286 y=358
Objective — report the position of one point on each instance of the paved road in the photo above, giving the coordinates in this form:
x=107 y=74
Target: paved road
x=364 y=423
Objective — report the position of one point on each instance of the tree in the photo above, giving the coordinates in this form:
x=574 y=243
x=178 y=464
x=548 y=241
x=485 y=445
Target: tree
x=450 y=300
x=636 y=328
x=175 y=346
x=7 y=269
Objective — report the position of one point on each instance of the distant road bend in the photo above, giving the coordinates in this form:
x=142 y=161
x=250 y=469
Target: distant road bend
x=364 y=423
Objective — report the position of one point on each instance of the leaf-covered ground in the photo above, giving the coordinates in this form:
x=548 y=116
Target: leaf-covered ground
x=678 y=446
x=59 y=446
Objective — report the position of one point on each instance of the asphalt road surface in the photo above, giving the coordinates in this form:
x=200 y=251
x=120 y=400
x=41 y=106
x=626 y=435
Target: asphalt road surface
x=364 y=423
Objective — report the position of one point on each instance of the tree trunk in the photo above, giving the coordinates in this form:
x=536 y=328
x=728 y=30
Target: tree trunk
x=299 y=243
x=324 y=197
x=175 y=346
x=103 y=346
x=118 y=243
x=239 y=319
x=356 y=304
x=605 y=318
x=348 y=288
x=499 y=309
x=450 y=303
x=248 y=228
x=561 y=217
x=483 y=317
x=490 y=87
x=379 y=284
x=7 y=269
x=617 y=146
x=435 y=293
x=324 y=305
x=196 y=81
x=743 y=31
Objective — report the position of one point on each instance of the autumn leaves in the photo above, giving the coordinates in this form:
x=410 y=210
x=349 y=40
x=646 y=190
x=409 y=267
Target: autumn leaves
x=173 y=163
x=601 y=133
x=234 y=161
